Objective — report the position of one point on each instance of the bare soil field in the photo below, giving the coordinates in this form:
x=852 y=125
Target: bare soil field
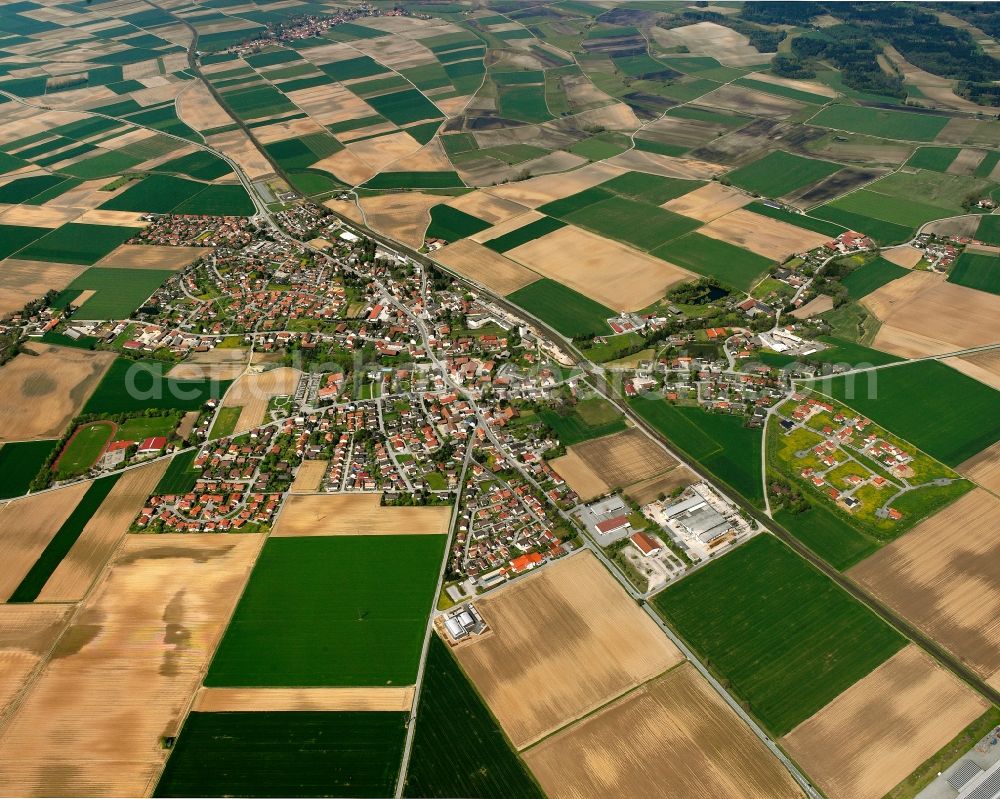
x=939 y=91
x=764 y=236
x=645 y=491
x=923 y=314
x=625 y=458
x=122 y=675
x=100 y=537
x=396 y=52
x=363 y=133
x=611 y=273
x=487 y=207
x=752 y=102
x=579 y=476
x=617 y=116
x=140 y=256
x=22 y=281
x=87 y=195
x=38 y=215
x=233 y=700
x=253 y=393
x=811 y=86
x=429 y=158
x=966 y=161
x=197 y=107
x=28 y=525
x=347 y=208
x=347 y=167
x=403 y=216
x=581 y=92
x=969 y=132
x=708 y=202
x=565 y=641
x=672 y=738
x=513 y=223
x=666 y=165
x=309 y=476
x=546 y=188
x=237 y=145
x=944 y=576
x=708 y=38
x=357 y=514
x=41 y=392
x=219 y=364
x=186 y=427
x=905 y=256
x=821 y=303
x=484 y=266
x=489 y=172
x=277 y=131
x=27 y=633
x=983 y=366
x=379 y=152
x=956 y=226
x=983 y=468
x=327 y=105
x=683 y=132
x=99 y=216
x=874 y=734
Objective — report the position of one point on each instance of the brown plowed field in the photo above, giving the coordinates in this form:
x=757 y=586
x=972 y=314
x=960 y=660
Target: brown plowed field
x=613 y=274
x=198 y=108
x=821 y=303
x=38 y=215
x=708 y=202
x=22 y=281
x=484 y=266
x=877 y=732
x=28 y=525
x=104 y=216
x=673 y=738
x=253 y=393
x=487 y=207
x=624 y=458
x=546 y=188
x=709 y=38
x=137 y=256
x=579 y=476
x=764 y=236
x=944 y=576
x=922 y=314
x=40 y=393
x=981 y=366
x=357 y=514
x=648 y=490
x=309 y=476
x=905 y=256
x=667 y=165
x=221 y=363
x=750 y=101
x=403 y=216
x=565 y=641
x=122 y=675
x=237 y=145
x=27 y=633
x=229 y=700
x=100 y=537
x=984 y=468
x=381 y=151
x=526 y=217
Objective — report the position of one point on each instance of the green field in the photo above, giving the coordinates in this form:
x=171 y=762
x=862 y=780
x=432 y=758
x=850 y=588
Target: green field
x=179 y=478
x=524 y=103
x=61 y=543
x=884 y=233
x=21 y=190
x=828 y=535
x=258 y=101
x=590 y=418
x=77 y=243
x=136 y=385
x=84 y=448
x=119 y=291
x=937 y=409
x=158 y=194
x=977 y=271
x=452 y=711
x=285 y=754
x=218 y=201
x=779 y=173
x=522 y=235
x=937 y=159
x=103 y=165
x=225 y=422
x=784 y=638
x=19 y=463
x=878 y=122
x=873 y=275
x=910 y=213
x=451 y=224
x=340 y=610
x=799 y=220
x=199 y=164
x=652 y=189
x=360 y=67
x=415 y=180
x=404 y=107
x=719 y=442
x=575 y=202
x=566 y=310
x=14 y=237
x=988 y=231
x=632 y=222
x=783 y=91
x=713 y=258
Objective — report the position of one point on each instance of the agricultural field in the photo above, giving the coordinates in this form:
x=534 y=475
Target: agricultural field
x=780 y=173
x=77 y=243
x=589 y=418
x=871 y=276
x=714 y=258
x=285 y=754
x=548 y=620
x=358 y=514
x=977 y=271
x=19 y=463
x=785 y=637
x=917 y=403
x=118 y=292
x=369 y=594
x=879 y=122
x=153 y=389
x=451 y=710
x=253 y=391
x=570 y=313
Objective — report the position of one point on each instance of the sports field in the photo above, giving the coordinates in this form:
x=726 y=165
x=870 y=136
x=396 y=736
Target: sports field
x=785 y=638
x=719 y=442
x=948 y=415
x=320 y=611
x=779 y=173
x=977 y=271
x=451 y=710
x=84 y=448
x=567 y=311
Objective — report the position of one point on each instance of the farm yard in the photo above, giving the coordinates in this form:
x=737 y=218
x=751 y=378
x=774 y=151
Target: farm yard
x=785 y=637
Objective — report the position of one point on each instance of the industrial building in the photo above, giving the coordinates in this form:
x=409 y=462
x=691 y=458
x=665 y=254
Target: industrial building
x=697 y=519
